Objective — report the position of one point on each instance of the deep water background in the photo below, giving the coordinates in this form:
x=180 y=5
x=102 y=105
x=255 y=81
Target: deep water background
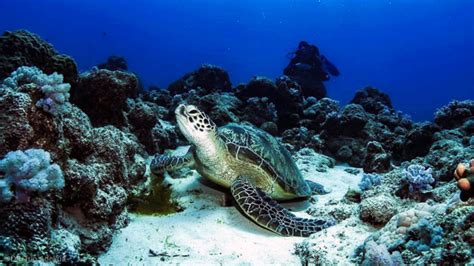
x=420 y=52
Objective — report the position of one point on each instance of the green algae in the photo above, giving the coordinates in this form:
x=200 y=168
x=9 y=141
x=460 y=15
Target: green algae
x=157 y=202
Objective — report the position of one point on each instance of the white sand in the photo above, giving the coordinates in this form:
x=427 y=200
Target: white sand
x=206 y=233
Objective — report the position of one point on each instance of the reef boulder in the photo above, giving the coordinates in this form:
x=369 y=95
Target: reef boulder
x=23 y=48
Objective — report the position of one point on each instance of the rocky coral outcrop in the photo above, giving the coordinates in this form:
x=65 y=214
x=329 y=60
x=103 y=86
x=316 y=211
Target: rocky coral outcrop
x=378 y=210
x=207 y=79
x=102 y=95
x=101 y=167
x=114 y=63
x=23 y=48
x=372 y=100
x=285 y=95
x=376 y=159
x=454 y=114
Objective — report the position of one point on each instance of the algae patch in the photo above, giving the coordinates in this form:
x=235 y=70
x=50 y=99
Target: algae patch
x=157 y=201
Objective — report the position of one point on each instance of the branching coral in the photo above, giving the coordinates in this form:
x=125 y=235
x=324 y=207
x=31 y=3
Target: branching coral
x=418 y=177
x=370 y=180
x=56 y=93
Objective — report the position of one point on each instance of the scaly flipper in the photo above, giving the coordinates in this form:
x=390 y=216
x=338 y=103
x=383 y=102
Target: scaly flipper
x=162 y=163
x=269 y=214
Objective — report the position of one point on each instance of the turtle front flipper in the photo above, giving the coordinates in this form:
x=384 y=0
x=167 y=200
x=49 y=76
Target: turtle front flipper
x=269 y=214
x=162 y=163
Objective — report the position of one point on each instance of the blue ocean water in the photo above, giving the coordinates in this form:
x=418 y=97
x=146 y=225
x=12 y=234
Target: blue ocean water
x=419 y=52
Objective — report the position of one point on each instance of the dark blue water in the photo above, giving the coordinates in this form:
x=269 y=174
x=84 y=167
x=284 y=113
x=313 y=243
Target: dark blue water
x=420 y=52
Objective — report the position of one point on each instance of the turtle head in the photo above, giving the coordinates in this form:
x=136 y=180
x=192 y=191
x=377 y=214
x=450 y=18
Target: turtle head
x=195 y=125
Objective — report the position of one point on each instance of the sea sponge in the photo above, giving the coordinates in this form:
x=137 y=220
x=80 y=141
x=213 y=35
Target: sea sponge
x=28 y=171
x=465 y=177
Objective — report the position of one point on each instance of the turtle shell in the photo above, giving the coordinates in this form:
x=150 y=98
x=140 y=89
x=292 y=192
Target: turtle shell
x=256 y=146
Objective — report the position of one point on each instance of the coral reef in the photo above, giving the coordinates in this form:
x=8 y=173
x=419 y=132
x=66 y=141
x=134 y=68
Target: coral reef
x=418 y=178
x=205 y=80
x=114 y=63
x=102 y=95
x=370 y=180
x=378 y=210
x=454 y=114
x=70 y=169
x=67 y=210
x=29 y=171
x=23 y=48
x=56 y=93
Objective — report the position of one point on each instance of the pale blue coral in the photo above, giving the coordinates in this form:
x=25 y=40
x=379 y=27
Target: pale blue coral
x=425 y=235
x=370 y=180
x=56 y=93
x=418 y=177
x=29 y=170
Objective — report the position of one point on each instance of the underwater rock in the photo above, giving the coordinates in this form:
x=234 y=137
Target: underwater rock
x=26 y=125
x=261 y=106
x=308 y=159
x=315 y=115
x=114 y=63
x=205 y=80
x=142 y=118
x=76 y=128
x=224 y=108
x=288 y=102
x=347 y=132
x=121 y=152
x=455 y=114
x=257 y=87
x=159 y=96
x=372 y=100
x=376 y=159
x=164 y=136
x=285 y=95
x=23 y=48
x=102 y=95
x=302 y=137
x=444 y=155
x=418 y=140
x=101 y=167
x=378 y=210
x=14 y=107
x=26 y=221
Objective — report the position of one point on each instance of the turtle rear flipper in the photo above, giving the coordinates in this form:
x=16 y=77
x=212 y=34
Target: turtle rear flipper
x=162 y=163
x=269 y=214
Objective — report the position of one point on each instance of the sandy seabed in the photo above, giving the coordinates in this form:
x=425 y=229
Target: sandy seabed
x=207 y=233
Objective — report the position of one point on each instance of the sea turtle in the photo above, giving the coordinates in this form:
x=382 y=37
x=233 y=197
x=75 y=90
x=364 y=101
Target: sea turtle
x=252 y=163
